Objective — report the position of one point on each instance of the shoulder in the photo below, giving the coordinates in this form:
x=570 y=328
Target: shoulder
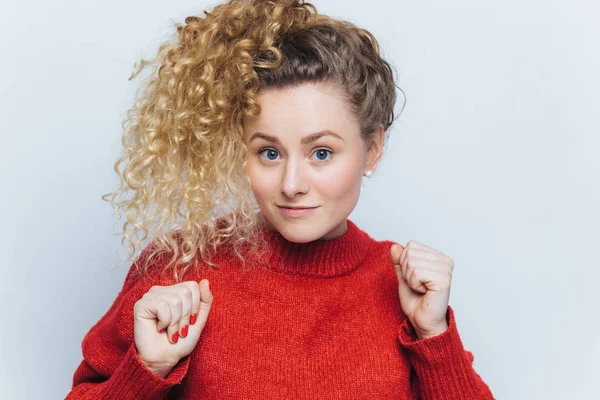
x=379 y=264
x=382 y=248
x=376 y=250
x=150 y=268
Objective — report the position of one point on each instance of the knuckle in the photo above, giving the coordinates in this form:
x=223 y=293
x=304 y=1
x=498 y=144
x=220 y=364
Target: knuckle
x=147 y=297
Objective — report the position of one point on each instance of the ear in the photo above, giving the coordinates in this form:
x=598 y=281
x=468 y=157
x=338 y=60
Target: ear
x=375 y=149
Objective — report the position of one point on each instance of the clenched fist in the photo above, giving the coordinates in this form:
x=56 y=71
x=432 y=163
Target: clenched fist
x=424 y=279
x=168 y=321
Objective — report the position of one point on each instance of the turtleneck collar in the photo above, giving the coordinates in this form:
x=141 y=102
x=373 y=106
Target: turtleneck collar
x=319 y=258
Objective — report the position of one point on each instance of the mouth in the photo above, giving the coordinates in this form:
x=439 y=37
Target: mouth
x=297 y=207
x=296 y=211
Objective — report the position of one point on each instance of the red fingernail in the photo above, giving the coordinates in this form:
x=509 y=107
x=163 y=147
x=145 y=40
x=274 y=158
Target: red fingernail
x=193 y=319
x=184 y=331
x=162 y=330
x=175 y=337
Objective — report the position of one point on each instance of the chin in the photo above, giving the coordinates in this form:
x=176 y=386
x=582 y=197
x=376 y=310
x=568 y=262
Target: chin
x=300 y=231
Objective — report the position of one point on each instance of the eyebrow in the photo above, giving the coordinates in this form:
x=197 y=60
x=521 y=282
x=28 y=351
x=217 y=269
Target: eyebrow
x=305 y=140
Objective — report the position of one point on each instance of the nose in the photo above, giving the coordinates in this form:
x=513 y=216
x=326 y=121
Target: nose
x=295 y=179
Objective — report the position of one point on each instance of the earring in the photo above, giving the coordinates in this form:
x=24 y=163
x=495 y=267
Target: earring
x=369 y=173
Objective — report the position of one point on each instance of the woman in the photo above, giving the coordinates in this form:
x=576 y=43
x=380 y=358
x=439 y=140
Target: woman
x=283 y=111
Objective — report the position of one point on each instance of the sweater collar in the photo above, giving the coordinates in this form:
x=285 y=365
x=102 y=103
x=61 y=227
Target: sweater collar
x=319 y=258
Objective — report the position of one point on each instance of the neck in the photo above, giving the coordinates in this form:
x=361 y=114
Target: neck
x=319 y=258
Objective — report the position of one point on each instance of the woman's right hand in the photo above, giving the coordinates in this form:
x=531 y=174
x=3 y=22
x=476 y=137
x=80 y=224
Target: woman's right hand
x=168 y=321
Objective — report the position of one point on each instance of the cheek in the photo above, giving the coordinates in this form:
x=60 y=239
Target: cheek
x=262 y=185
x=343 y=183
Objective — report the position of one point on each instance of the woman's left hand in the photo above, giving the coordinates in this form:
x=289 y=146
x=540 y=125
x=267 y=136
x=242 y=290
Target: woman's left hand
x=424 y=277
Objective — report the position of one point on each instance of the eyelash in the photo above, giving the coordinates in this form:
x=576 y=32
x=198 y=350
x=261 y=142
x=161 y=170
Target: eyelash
x=318 y=149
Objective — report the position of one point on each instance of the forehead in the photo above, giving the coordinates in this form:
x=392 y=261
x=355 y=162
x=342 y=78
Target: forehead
x=296 y=111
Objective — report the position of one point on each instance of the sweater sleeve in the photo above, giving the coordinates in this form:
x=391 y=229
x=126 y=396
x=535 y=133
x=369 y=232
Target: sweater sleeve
x=111 y=368
x=443 y=368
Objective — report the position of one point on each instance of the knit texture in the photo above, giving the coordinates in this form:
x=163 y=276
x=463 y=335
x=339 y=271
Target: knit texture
x=318 y=320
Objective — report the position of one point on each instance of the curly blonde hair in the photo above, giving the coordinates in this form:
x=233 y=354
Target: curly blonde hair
x=184 y=155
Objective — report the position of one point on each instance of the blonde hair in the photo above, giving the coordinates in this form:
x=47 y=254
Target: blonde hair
x=184 y=152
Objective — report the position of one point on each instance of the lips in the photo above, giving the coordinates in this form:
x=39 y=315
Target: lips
x=296 y=211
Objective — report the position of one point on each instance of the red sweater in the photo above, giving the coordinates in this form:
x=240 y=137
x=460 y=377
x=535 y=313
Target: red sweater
x=319 y=320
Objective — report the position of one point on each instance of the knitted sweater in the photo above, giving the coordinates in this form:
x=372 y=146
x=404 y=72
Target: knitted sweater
x=319 y=320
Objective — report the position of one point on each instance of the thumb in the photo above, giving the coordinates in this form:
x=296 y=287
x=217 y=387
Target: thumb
x=206 y=299
x=395 y=252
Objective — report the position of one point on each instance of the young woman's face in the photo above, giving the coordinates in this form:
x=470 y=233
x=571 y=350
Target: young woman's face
x=305 y=150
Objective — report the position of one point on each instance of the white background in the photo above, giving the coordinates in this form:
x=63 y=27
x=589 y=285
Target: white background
x=494 y=162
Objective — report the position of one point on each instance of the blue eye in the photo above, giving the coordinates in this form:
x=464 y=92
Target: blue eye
x=322 y=152
x=271 y=154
